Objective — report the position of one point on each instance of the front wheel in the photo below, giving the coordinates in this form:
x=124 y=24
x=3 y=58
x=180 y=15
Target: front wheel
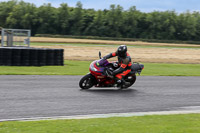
x=87 y=82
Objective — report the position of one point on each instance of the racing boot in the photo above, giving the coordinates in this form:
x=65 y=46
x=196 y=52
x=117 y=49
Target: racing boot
x=118 y=82
x=121 y=83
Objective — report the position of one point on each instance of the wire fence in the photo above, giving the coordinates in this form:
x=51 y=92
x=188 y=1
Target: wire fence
x=15 y=38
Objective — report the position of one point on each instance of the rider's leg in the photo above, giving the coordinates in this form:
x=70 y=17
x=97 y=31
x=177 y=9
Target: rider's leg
x=120 y=78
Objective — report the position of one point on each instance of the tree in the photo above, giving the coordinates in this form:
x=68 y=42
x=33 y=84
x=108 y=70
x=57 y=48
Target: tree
x=113 y=22
x=5 y=9
x=22 y=16
x=63 y=18
x=168 y=25
x=186 y=26
x=76 y=20
x=114 y=18
x=98 y=25
x=87 y=22
x=130 y=25
x=47 y=19
x=197 y=27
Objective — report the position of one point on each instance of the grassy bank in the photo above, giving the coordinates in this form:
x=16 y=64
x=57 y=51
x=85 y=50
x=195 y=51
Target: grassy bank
x=189 y=123
x=82 y=67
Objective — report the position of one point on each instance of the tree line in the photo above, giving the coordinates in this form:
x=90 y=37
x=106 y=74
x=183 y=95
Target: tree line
x=112 y=22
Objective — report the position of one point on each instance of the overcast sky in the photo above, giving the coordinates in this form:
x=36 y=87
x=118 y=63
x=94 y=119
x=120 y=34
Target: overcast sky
x=142 y=5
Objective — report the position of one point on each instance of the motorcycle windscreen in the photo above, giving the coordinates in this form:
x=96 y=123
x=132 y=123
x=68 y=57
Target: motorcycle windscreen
x=103 y=62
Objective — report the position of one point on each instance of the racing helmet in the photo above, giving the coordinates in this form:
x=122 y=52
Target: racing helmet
x=122 y=49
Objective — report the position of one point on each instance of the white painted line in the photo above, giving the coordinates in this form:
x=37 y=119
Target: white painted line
x=104 y=115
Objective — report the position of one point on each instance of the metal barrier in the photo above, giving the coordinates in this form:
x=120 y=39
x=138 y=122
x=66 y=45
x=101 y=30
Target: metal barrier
x=15 y=50
x=15 y=37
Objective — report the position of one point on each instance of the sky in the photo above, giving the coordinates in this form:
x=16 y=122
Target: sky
x=142 y=5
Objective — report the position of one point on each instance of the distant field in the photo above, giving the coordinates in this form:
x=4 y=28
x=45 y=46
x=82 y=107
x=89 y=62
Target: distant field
x=85 y=49
x=90 y=41
x=150 y=54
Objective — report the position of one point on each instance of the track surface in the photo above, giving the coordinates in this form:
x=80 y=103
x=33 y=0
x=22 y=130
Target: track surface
x=49 y=96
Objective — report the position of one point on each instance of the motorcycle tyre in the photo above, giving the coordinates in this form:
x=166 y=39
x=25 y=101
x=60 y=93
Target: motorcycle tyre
x=131 y=82
x=90 y=79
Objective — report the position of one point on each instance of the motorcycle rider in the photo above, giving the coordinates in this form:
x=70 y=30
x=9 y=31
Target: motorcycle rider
x=124 y=61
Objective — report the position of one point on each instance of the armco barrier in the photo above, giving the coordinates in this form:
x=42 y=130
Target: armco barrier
x=23 y=56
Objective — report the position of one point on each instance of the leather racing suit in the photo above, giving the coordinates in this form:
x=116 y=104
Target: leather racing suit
x=124 y=63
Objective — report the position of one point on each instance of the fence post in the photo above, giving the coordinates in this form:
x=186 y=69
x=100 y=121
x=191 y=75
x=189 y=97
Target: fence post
x=2 y=36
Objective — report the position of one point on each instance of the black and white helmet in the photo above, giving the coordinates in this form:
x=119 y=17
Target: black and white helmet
x=122 y=49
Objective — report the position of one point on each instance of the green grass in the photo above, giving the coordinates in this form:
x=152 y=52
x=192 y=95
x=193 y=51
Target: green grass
x=82 y=67
x=70 y=68
x=162 y=69
x=189 y=123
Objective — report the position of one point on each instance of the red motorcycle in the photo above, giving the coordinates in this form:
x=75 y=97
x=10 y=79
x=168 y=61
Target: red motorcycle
x=99 y=74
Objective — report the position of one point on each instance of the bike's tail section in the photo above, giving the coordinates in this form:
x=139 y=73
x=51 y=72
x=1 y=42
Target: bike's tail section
x=137 y=68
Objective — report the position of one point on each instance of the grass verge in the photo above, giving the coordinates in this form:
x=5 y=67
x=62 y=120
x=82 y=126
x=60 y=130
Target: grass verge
x=162 y=69
x=82 y=67
x=187 y=123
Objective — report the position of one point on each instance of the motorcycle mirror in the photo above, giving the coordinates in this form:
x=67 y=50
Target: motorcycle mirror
x=100 y=54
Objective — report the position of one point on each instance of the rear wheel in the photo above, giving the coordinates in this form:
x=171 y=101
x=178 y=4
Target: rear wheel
x=131 y=80
x=87 y=82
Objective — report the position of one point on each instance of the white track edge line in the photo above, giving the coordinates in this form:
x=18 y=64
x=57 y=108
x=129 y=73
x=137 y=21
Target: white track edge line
x=104 y=115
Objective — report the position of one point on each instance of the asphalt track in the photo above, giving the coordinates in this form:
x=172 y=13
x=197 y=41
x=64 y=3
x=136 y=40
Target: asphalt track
x=50 y=96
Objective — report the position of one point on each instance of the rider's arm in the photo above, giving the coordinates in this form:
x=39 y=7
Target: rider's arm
x=122 y=67
x=110 y=55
